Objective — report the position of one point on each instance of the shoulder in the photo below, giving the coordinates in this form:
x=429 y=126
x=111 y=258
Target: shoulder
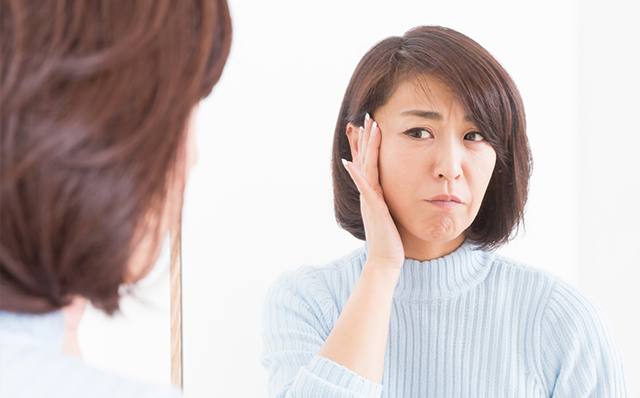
x=565 y=305
x=318 y=281
x=32 y=370
x=578 y=353
x=571 y=311
x=503 y=263
x=314 y=293
x=564 y=301
x=522 y=277
x=576 y=349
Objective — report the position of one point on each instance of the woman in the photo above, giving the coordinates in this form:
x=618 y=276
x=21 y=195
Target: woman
x=436 y=175
x=97 y=106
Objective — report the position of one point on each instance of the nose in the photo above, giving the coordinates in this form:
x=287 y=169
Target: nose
x=448 y=162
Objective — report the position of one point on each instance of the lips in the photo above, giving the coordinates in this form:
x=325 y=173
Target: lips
x=445 y=201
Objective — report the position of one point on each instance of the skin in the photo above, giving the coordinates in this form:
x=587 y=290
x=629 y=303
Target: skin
x=72 y=314
x=139 y=263
x=398 y=166
x=451 y=157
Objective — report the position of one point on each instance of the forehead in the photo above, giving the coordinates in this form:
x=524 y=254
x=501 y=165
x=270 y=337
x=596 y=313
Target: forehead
x=422 y=94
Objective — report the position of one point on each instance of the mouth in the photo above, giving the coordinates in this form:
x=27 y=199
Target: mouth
x=445 y=201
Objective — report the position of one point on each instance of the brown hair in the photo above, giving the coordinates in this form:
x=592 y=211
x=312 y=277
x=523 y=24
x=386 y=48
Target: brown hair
x=94 y=104
x=486 y=93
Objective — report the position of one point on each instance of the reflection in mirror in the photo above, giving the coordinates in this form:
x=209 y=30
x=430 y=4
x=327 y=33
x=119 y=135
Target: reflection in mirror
x=259 y=202
x=432 y=135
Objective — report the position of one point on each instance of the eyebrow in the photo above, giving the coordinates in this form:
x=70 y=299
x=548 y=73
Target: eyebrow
x=430 y=115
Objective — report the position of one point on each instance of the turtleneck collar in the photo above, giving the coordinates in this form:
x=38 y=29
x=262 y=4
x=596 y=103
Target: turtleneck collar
x=45 y=329
x=444 y=277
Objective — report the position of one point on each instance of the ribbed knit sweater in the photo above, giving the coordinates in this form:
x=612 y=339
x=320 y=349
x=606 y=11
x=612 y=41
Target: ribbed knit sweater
x=469 y=324
x=33 y=365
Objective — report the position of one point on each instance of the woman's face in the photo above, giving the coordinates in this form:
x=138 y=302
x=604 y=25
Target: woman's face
x=434 y=164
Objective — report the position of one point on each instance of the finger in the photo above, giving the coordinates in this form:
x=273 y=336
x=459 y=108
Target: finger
x=362 y=154
x=359 y=152
x=365 y=144
x=368 y=193
x=372 y=151
x=363 y=147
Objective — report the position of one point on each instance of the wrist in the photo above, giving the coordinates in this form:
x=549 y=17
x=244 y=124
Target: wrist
x=381 y=274
x=391 y=266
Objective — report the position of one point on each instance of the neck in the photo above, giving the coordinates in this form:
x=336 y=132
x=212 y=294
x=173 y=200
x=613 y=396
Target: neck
x=422 y=250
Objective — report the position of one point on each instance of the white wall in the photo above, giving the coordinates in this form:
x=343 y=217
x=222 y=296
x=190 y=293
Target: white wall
x=259 y=200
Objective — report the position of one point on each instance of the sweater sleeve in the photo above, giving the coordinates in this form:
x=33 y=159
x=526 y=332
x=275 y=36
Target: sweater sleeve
x=580 y=356
x=299 y=314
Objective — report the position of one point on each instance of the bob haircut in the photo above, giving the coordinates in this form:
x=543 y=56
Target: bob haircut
x=94 y=104
x=486 y=93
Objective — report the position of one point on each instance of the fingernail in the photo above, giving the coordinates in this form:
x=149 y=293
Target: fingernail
x=367 y=117
x=344 y=162
x=373 y=126
x=361 y=129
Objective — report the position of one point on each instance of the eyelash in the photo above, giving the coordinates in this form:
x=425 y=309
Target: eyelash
x=477 y=134
x=417 y=130
x=420 y=130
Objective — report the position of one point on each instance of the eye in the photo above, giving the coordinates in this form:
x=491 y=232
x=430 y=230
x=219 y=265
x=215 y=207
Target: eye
x=473 y=136
x=418 y=133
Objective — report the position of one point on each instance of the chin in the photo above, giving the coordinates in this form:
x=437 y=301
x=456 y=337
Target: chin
x=440 y=229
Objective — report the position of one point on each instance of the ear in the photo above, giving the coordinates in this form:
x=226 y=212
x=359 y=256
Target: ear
x=353 y=135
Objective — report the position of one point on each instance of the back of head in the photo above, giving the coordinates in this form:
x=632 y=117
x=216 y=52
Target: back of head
x=94 y=100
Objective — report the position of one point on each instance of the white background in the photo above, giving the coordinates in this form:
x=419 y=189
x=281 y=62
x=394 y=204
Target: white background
x=259 y=201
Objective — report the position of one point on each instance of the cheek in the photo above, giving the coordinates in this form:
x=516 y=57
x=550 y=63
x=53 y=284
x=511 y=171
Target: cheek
x=402 y=177
x=481 y=171
x=395 y=170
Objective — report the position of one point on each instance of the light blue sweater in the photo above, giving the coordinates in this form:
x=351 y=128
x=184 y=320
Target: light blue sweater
x=32 y=365
x=470 y=324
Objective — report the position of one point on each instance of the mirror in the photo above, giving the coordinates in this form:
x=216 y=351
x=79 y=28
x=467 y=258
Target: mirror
x=259 y=201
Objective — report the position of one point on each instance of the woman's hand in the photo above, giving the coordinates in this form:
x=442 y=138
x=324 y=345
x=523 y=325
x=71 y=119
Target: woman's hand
x=383 y=241
x=358 y=340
